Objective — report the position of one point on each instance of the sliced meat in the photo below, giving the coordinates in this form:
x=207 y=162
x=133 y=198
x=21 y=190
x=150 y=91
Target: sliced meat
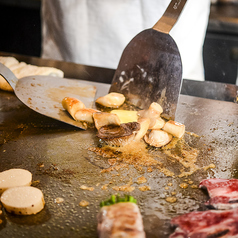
x=207 y=224
x=120 y=220
x=223 y=192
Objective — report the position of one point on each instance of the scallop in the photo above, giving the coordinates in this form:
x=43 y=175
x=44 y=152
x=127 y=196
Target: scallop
x=24 y=200
x=85 y=114
x=112 y=100
x=13 y=178
x=72 y=105
x=158 y=138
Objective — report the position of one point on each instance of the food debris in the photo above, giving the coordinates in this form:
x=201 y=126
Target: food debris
x=171 y=199
x=83 y=187
x=149 y=170
x=191 y=134
x=138 y=167
x=105 y=152
x=141 y=180
x=59 y=200
x=112 y=161
x=194 y=186
x=138 y=155
x=165 y=171
x=183 y=185
x=104 y=187
x=41 y=165
x=144 y=188
x=36 y=182
x=125 y=188
x=173 y=193
x=84 y=203
x=210 y=166
x=117 y=167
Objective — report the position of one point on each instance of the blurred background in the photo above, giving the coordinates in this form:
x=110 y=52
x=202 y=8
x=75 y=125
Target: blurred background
x=21 y=34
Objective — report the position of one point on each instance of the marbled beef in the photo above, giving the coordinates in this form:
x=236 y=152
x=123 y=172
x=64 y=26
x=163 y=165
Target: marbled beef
x=207 y=224
x=223 y=192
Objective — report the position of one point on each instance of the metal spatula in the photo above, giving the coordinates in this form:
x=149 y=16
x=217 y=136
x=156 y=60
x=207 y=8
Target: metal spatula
x=150 y=68
x=44 y=94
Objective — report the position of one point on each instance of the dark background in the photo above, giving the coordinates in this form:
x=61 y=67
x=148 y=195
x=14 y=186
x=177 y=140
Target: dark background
x=20 y=27
x=21 y=34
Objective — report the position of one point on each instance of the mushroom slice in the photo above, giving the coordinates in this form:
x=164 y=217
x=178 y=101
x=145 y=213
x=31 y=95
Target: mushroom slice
x=113 y=100
x=119 y=135
x=104 y=119
x=85 y=114
x=156 y=123
x=153 y=112
x=156 y=107
x=158 y=138
x=144 y=126
x=175 y=128
x=72 y=105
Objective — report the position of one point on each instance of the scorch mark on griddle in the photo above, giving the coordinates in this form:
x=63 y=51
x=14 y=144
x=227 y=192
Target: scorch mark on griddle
x=94 y=164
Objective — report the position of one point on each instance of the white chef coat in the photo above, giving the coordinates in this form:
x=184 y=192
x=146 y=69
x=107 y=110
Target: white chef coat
x=95 y=32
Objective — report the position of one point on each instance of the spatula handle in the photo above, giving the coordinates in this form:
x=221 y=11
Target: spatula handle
x=170 y=17
x=8 y=75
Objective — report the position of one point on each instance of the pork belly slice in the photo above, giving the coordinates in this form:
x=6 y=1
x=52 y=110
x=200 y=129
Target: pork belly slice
x=206 y=224
x=120 y=220
x=223 y=192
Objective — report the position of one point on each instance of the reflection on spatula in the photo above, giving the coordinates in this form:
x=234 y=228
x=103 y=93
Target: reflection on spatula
x=150 y=68
x=44 y=94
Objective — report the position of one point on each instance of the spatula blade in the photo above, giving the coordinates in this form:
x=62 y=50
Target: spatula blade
x=44 y=94
x=150 y=70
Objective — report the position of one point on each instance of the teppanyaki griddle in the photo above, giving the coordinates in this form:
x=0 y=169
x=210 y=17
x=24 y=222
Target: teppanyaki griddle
x=57 y=154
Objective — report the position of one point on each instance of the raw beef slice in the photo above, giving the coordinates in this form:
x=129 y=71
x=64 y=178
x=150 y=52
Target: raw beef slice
x=223 y=192
x=206 y=224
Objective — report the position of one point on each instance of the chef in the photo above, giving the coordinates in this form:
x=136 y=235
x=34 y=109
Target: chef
x=95 y=32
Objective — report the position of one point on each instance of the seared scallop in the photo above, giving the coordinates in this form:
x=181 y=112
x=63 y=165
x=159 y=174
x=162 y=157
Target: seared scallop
x=85 y=114
x=104 y=119
x=119 y=135
x=157 y=138
x=72 y=105
x=113 y=100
